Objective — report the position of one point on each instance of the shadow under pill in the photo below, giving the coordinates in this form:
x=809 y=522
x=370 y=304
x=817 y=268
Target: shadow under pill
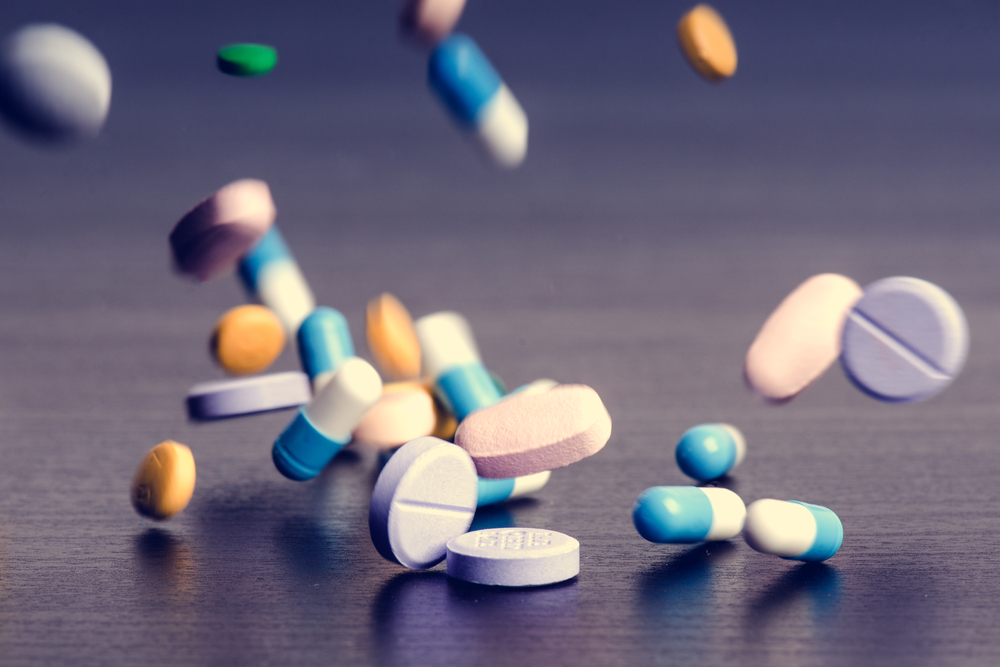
x=818 y=583
x=166 y=563
x=686 y=579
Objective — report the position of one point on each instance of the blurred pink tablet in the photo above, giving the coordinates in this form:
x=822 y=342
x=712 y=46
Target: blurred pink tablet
x=212 y=237
x=530 y=433
x=430 y=21
x=400 y=415
x=801 y=338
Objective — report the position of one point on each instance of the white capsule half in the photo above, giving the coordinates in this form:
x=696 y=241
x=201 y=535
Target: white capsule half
x=503 y=129
x=338 y=408
x=446 y=341
x=793 y=529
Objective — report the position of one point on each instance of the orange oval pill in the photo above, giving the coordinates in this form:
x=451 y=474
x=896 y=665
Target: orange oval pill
x=164 y=481
x=247 y=339
x=707 y=43
x=392 y=338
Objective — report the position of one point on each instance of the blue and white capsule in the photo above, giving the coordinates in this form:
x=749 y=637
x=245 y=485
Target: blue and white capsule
x=325 y=343
x=710 y=451
x=793 y=530
x=498 y=490
x=688 y=514
x=271 y=275
x=449 y=356
x=325 y=425
x=478 y=99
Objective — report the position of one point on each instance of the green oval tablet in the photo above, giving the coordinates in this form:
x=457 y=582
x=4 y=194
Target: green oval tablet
x=247 y=59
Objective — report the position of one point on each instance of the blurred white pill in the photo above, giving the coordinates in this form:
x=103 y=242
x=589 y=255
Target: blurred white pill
x=54 y=84
x=429 y=21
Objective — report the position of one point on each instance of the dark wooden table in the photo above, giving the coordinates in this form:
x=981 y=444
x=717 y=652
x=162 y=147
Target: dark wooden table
x=657 y=222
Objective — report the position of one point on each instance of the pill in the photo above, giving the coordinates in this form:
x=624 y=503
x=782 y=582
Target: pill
x=212 y=237
x=55 y=85
x=707 y=44
x=164 y=481
x=531 y=433
x=429 y=21
x=243 y=396
x=247 y=339
x=424 y=496
x=325 y=425
x=246 y=59
x=513 y=557
x=498 y=490
x=324 y=342
x=478 y=99
x=403 y=413
x=451 y=360
x=270 y=273
x=392 y=338
x=710 y=451
x=687 y=514
x=793 y=529
x=445 y=424
x=905 y=340
x=801 y=338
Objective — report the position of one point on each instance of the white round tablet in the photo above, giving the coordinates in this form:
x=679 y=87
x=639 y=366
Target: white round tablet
x=425 y=495
x=513 y=557
x=54 y=84
x=243 y=396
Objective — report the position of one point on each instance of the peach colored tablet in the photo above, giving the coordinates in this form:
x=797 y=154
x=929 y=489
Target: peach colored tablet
x=801 y=338
x=405 y=412
x=530 y=433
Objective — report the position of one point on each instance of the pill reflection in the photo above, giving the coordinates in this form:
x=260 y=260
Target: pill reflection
x=428 y=618
x=167 y=564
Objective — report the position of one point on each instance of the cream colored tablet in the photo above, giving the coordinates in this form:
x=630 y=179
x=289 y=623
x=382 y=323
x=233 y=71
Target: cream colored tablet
x=707 y=43
x=405 y=412
x=392 y=338
x=247 y=339
x=430 y=21
x=801 y=338
x=164 y=482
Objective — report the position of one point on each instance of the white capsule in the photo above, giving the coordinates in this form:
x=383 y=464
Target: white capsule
x=793 y=529
x=446 y=341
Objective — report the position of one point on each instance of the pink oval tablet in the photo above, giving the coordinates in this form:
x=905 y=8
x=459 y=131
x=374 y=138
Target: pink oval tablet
x=430 y=21
x=213 y=236
x=801 y=338
x=530 y=433
x=398 y=417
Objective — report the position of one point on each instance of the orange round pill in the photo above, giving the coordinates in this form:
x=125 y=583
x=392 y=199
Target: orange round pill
x=247 y=339
x=164 y=482
x=707 y=43
x=392 y=338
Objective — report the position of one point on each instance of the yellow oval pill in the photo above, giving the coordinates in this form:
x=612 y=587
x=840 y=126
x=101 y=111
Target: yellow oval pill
x=707 y=43
x=164 y=481
x=247 y=339
x=392 y=338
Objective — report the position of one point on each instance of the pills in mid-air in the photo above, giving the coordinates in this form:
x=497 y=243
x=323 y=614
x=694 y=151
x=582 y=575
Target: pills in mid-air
x=392 y=339
x=493 y=491
x=220 y=399
x=429 y=21
x=709 y=451
x=324 y=342
x=451 y=360
x=801 y=338
x=707 y=43
x=271 y=274
x=688 y=514
x=325 y=425
x=424 y=497
x=246 y=59
x=513 y=557
x=478 y=99
x=212 y=237
x=793 y=529
x=164 y=481
x=247 y=339
x=54 y=84
x=904 y=341
x=531 y=433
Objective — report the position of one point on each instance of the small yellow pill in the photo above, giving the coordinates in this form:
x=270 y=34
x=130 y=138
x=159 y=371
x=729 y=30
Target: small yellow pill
x=707 y=43
x=164 y=481
x=247 y=339
x=392 y=338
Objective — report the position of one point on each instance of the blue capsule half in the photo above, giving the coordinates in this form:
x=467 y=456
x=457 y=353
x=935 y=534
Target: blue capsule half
x=688 y=514
x=463 y=77
x=710 y=451
x=467 y=388
x=324 y=340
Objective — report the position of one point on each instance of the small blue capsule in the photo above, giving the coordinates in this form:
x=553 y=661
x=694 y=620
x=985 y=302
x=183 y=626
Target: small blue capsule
x=270 y=273
x=710 y=451
x=324 y=340
x=688 y=514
